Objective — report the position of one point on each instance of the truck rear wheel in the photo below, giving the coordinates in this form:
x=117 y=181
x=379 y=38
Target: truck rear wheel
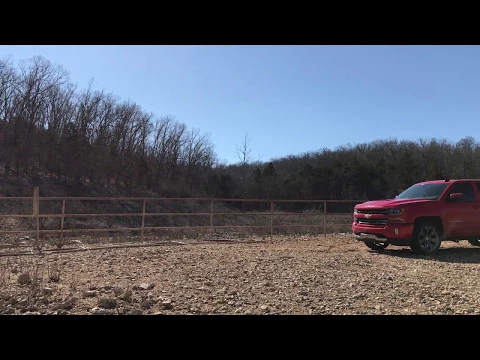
x=375 y=245
x=426 y=238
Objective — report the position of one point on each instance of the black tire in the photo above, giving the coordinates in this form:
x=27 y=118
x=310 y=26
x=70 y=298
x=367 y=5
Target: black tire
x=375 y=245
x=474 y=241
x=427 y=238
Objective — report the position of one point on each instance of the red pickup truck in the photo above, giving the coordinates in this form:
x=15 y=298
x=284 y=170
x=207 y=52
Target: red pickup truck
x=422 y=216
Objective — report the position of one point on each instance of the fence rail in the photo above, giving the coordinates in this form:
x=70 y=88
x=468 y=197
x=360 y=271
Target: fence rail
x=36 y=199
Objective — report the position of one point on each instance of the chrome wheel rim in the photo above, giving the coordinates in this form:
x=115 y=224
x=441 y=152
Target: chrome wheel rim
x=428 y=239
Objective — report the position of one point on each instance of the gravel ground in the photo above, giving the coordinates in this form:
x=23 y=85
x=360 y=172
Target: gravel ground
x=307 y=275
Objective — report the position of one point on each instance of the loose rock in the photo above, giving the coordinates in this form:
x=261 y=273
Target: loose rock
x=167 y=304
x=89 y=293
x=24 y=279
x=107 y=303
x=66 y=305
x=317 y=275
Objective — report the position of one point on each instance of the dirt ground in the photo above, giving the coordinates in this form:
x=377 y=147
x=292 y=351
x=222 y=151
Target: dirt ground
x=305 y=275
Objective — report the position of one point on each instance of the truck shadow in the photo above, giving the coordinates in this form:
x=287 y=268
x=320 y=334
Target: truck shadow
x=450 y=255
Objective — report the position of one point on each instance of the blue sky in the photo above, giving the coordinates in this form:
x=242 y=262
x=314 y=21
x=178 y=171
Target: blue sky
x=289 y=99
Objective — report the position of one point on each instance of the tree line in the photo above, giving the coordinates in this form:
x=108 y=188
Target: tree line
x=51 y=128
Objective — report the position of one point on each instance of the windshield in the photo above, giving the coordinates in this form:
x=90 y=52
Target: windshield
x=423 y=191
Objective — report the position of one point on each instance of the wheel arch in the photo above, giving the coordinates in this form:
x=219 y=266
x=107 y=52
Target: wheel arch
x=434 y=219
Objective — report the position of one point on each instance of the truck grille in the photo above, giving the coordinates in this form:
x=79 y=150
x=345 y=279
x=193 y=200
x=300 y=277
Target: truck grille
x=373 y=211
x=372 y=221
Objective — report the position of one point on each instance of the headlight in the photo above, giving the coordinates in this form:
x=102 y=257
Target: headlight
x=395 y=211
x=355 y=211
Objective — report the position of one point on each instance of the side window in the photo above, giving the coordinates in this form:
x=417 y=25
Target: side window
x=466 y=189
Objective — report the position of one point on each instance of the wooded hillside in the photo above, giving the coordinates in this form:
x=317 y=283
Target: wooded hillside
x=50 y=130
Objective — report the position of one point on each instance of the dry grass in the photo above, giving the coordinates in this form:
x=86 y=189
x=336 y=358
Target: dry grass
x=313 y=220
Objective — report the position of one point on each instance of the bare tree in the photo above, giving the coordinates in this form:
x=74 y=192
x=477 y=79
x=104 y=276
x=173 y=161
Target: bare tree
x=8 y=89
x=244 y=152
x=196 y=156
x=8 y=86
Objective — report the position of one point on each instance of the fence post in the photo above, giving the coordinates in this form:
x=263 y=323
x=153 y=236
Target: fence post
x=271 y=220
x=324 y=219
x=36 y=211
x=211 y=219
x=144 y=206
x=62 y=221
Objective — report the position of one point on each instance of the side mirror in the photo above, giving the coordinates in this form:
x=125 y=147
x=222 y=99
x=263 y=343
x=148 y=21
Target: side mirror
x=455 y=196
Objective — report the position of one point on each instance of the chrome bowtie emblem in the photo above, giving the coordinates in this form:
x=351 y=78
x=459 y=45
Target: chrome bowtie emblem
x=368 y=216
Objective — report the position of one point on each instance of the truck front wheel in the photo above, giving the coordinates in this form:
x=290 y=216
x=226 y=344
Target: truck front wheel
x=426 y=238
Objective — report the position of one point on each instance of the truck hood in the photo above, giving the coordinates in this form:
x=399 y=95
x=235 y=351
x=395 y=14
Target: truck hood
x=389 y=203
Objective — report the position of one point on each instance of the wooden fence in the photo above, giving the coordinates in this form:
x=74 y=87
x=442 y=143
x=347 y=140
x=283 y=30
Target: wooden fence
x=37 y=215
